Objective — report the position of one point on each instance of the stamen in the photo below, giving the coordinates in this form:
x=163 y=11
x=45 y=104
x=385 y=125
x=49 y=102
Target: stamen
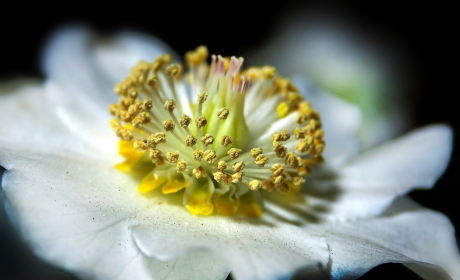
x=172 y=157
x=181 y=166
x=199 y=172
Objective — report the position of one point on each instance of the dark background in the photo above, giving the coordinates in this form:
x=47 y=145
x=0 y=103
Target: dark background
x=424 y=33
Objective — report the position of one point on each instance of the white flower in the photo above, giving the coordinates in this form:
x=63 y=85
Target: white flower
x=80 y=213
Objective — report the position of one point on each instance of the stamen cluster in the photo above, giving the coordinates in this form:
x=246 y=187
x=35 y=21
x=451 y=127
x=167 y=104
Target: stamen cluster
x=213 y=122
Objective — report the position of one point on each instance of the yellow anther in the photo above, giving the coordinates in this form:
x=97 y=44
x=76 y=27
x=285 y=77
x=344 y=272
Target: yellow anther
x=190 y=141
x=223 y=113
x=268 y=185
x=198 y=155
x=119 y=89
x=294 y=99
x=133 y=93
x=165 y=58
x=200 y=121
x=221 y=165
x=268 y=72
x=238 y=166
x=147 y=105
x=169 y=125
x=170 y=105
x=156 y=139
x=284 y=135
x=207 y=140
x=319 y=133
x=318 y=159
x=152 y=78
x=315 y=124
x=283 y=188
x=301 y=119
x=145 y=118
x=261 y=160
x=124 y=134
x=125 y=102
x=113 y=109
x=304 y=170
x=282 y=110
x=298 y=181
x=134 y=109
x=219 y=176
x=154 y=154
x=237 y=177
x=234 y=153
x=181 y=166
x=254 y=73
x=114 y=124
x=228 y=179
x=276 y=137
x=226 y=140
x=202 y=96
x=185 y=121
x=159 y=160
x=256 y=151
x=254 y=185
x=140 y=145
x=209 y=156
x=123 y=115
x=281 y=151
x=197 y=57
x=308 y=129
x=299 y=133
x=304 y=145
x=290 y=159
x=199 y=172
x=318 y=147
x=137 y=123
x=279 y=179
x=172 y=157
x=305 y=107
x=172 y=70
x=277 y=169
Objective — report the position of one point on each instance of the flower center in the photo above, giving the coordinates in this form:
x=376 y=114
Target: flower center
x=214 y=134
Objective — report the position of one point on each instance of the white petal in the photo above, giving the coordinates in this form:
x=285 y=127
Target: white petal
x=416 y=160
x=77 y=214
x=340 y=120
x=253 y=249
x=28 y=128
x=419 y=238
x=82 y=70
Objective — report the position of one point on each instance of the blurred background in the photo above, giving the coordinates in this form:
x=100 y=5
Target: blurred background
x=394 y=61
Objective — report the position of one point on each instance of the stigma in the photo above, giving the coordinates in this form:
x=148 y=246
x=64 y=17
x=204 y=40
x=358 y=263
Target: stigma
x=221 y=136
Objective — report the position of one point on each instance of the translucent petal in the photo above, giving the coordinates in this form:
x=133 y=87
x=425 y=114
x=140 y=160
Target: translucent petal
x=82 y=92
x=78 y=214
x=407 y=233
x=28 y=128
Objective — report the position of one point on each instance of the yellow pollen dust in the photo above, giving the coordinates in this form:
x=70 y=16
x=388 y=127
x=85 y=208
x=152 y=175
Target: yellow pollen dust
x=253 y=132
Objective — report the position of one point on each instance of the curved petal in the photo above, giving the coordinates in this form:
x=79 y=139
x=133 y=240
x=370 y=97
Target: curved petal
x=340 y=120
x=419 y=238
x=81 y=72
x=77 y=213
x=367 y=186
x=27 y=127
x=376 y=178
x=253 y=249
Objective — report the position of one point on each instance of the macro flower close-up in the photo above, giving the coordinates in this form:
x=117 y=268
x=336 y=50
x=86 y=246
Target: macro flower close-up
x=130 y=161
